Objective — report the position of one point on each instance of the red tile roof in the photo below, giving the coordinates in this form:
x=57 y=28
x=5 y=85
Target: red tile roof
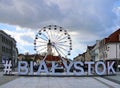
x=52 y=58
x=106 y=40
x=114 y=37
x=36 y=56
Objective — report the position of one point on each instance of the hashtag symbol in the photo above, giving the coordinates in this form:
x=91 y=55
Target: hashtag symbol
x=7 y=67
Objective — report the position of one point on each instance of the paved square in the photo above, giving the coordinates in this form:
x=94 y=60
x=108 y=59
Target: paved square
x=60 y=82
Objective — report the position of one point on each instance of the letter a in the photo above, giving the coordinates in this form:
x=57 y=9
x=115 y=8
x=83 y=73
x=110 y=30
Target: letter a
x=44 y=69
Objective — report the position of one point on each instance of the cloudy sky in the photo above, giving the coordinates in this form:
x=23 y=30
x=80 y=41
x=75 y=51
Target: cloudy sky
x=85 y=20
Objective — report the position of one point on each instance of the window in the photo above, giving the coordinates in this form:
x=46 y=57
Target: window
x=3 y=39
x=3 y=48
x=119 y=37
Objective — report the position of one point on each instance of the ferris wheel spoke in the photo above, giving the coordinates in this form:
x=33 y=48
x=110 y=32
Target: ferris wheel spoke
x=62 y=48
x=51 y=32
x=42 y=38
x=62 y=42
x=45 y=36
x=56 y=34
x=59 y=36
x=52 y=35
x=42 y=49
x=64 y=45
x=63 y=38
x=40 y=45
x=60 y=51
x=41 y=41
x=48 y=34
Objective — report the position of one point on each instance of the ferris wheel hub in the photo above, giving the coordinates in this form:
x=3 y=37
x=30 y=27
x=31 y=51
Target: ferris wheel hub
x=49 y=42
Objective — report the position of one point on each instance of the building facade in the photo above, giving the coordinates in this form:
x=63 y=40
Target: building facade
x=8 y=50
x=88 y=56
x=80 y=57
x=107 y=49
x=110 y=47
x=95 y=52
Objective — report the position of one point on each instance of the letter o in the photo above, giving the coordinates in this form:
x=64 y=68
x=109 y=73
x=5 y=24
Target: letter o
x=96 y=68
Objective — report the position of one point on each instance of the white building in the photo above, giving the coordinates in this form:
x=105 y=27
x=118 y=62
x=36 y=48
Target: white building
x=109 y=48
x=8 y=50
x=95 y=52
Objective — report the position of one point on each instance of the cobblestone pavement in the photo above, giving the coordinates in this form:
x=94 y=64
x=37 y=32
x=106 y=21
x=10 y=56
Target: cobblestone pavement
x=115 y=78
x=5 y=79
x=60 y=82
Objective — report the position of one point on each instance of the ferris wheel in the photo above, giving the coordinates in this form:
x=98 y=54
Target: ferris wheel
x=53 y=40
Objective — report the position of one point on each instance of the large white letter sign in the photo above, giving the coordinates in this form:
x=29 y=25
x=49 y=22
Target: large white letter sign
x=54 y=67
x=42 y=68
x=110 y=67
x=68 y=67
x=78 y=69
x=31 y=67
x=89 y=67
x=22 y=68
x=97 y=68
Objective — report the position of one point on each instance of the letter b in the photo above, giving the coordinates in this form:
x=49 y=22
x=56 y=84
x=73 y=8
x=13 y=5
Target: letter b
x=22 y=70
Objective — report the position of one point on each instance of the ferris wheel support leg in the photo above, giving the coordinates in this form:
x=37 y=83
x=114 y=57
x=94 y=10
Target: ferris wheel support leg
x=45 y=57
x=59 y=54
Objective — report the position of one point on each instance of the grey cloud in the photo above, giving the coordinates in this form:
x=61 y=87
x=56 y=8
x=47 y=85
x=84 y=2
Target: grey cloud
x=27 y=13
x=94 y=16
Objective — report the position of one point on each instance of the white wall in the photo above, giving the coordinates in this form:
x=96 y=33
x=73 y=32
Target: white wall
x=97 y=54
x=113 y=51
x=96 y=50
